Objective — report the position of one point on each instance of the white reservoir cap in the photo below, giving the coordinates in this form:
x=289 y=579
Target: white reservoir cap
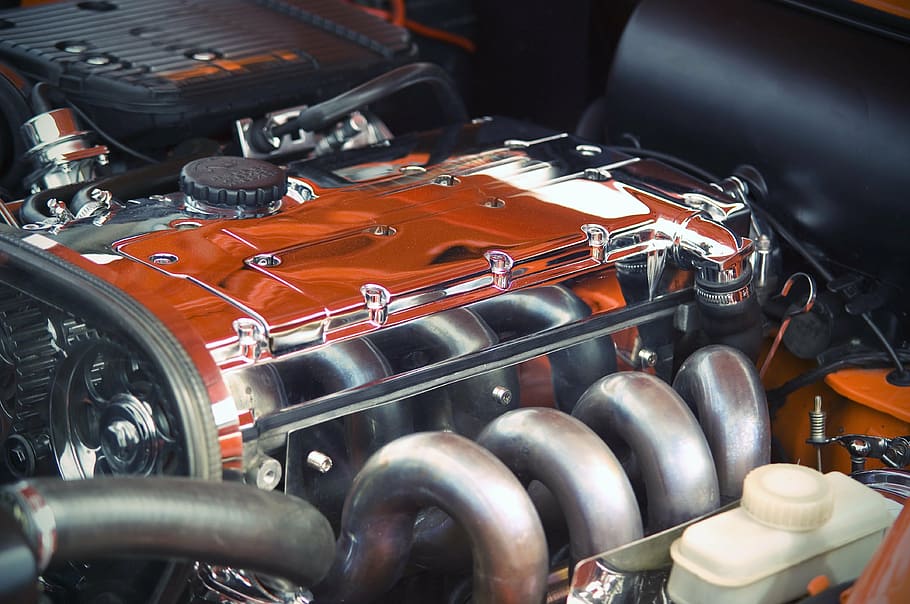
x=788 y=497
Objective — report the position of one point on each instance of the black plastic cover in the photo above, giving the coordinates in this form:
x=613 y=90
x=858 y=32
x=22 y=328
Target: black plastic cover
x=234 y=181
x=817 y=105
x=166 y=69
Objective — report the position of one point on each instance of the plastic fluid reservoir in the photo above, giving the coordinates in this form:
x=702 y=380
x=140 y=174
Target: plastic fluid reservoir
x=792 y=525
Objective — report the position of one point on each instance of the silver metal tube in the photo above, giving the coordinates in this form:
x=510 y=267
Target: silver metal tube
x=467 y=482
x=569 y=459
x=645 y=414
x=722 y=387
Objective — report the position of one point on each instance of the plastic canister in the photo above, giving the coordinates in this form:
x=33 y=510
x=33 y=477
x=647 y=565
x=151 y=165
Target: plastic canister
x=793 y=524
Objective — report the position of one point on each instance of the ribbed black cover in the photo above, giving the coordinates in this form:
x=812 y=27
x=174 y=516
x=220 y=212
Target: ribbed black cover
x=130 y=63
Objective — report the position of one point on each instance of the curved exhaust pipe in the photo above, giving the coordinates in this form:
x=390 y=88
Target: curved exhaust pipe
x=643 y=413
x=156 y=517
x=722 y=387
x=591 y=491
x=464 y=407
x=467 y=482
x=580 y=471
x=524 y=312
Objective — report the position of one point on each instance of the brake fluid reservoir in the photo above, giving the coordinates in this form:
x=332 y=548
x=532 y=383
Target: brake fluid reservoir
x=793 y=524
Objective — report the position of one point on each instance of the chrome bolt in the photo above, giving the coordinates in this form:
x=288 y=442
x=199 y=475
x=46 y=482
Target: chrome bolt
x=446 y=180
x=598 y=237
x=251 y=338
x=300 y=190
x=382 y=230
x=163 y=258
x=502 y=395
x=493 y=202
x=376 y=298
x=647 y=357
x=76 y=48
x=319 y=461
x=265 y=260
x=501 y=268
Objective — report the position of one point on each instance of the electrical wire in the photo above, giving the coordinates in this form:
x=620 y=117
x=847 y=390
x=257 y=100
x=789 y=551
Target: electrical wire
x=784 y=233
x=398 y=16
x=110 y=139
x=777 y=396
x=669 y=159
x=397 y=13
x=828 y=276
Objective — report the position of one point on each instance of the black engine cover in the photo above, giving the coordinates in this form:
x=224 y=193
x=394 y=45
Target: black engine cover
x=817 y=105
x=165 y=69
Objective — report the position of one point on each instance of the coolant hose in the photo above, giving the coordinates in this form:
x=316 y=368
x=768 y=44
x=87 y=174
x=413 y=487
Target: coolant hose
x=141 y=182
x=646 y=415
x=722 y=387
x=730 y=313
x=577 y=467
x=464 y=480
x=216 y=522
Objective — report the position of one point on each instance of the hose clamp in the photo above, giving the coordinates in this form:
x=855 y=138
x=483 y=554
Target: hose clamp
x=722 y=298
x=35 y=517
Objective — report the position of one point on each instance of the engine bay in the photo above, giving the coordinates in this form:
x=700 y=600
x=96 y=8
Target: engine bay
x=290 y=319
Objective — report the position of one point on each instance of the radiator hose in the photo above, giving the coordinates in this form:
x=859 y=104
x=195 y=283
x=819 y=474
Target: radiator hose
x=162 y=517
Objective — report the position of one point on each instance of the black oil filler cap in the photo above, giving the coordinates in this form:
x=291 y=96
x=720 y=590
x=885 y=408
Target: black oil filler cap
x=234 y=182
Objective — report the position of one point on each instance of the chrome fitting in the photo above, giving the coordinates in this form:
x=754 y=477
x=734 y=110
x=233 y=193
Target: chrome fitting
x=319 y=461
x=501 y=268
x=376 y=298
x=251 y=338
x=598 y=237
x=60 y=151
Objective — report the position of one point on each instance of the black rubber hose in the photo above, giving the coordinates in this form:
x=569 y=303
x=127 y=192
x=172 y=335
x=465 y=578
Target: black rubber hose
x=220 y=523
x=19 y=578
x=777 y=396
x=328 y=112
x=141 y=182
x=14 y=111
x=34 y=207
x=39 y=99
x=149 y=180
x=736 y=324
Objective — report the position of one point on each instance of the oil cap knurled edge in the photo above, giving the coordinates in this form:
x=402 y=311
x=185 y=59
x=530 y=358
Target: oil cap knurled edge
x=228 y=182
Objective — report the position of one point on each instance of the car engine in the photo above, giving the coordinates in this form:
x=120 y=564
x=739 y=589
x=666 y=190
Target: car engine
x=283 y=319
